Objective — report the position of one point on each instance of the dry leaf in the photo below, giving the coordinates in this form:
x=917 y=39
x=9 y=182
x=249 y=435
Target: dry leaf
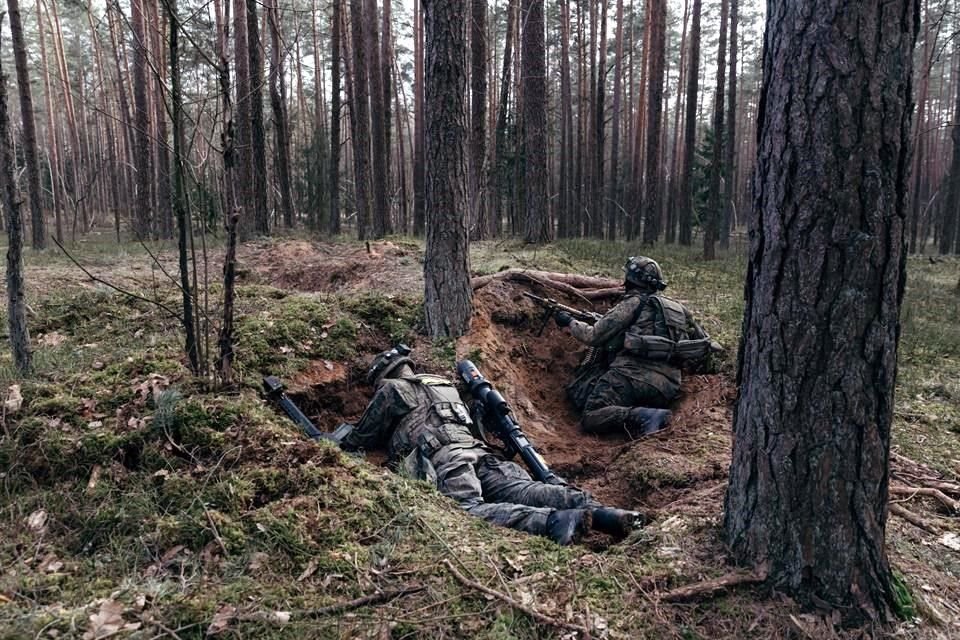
x=309 y=571
x=107 y=621
x=51 y=339
x=14 y=399
x=283 y=617
x=950 y=541
x=37 y=521
x=221 y=619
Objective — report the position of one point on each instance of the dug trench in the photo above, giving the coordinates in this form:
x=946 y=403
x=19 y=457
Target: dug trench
x=681 y=470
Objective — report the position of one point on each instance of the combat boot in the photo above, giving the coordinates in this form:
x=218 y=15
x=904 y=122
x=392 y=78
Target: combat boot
x=566 y=526
x=642 y=421
x=616 y=522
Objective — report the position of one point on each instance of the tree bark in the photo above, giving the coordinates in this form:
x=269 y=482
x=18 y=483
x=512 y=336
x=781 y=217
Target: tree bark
x=613 y=192
x=478 y=117
x=360 y=117
x=536 y=209
x=16 y=294
x=729 y=168
x=500 y=176
x=446 y=267
x=380 y=177
x=278 y=104
x=419 y=175
x=335 y=38
x=808 y=490
x=951 y=206
x=243 y=149
x=258 y=147
x=652 y=192
x=38 y=234
x=715 y=206
x=142 y=218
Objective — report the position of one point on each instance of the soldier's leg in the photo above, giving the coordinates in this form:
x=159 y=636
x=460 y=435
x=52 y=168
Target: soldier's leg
x=504 y=481
x=457 y=478
x=609 y=407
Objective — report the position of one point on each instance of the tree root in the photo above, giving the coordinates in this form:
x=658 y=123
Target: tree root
x=587 y=288
x=932 y=492
x=533 y=613
x=914 y=519
x=709 y=588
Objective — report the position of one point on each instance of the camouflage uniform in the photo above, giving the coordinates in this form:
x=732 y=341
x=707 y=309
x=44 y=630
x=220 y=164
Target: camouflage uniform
x=429 y=433
x=607 y=395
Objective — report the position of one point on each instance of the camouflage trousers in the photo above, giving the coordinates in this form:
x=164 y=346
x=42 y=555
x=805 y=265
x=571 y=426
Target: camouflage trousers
x=501 y=492
x=614 y=393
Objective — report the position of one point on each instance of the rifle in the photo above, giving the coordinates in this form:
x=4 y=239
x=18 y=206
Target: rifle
x=551 y=307
x=489 y=403
x=275 y=391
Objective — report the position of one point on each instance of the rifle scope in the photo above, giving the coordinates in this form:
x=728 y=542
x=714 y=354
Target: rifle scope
x=481 y=388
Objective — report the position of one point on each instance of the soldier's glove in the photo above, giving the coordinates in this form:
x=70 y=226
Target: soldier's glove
x=563 y=319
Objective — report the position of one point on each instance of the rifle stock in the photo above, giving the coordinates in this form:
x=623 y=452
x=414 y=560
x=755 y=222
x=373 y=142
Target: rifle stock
x=551 y=307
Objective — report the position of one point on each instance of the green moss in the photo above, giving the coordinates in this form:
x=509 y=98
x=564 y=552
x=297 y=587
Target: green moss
x=398 y=317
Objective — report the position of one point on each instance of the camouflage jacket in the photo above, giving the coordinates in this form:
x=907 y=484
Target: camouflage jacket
x=640 y=314
x=418 y=412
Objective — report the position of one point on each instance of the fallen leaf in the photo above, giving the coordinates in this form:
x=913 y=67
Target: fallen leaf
x=221 y=619
x=51 y=339
x=37 y=521
x=14 y=399
x=309 y=571
x=96 y=424
x=258 y=560
x=94 y=478
x=328 y=365
x=107 y=621
x=283 y=617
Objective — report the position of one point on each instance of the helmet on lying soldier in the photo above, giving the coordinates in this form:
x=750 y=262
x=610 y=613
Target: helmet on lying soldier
x=644 y=273
x=389 y=362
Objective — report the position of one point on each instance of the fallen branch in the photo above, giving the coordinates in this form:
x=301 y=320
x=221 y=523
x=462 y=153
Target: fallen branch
x=708 y=588
x=572 y=279
x=533 y=613
x=374 y=598
x=903 y=490
x=914 y=519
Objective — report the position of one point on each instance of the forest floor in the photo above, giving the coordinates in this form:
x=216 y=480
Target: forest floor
x=136 y=501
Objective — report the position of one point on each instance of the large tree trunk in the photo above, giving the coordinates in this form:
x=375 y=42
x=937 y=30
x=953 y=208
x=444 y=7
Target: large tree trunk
x=807 y=499
x=381 y=168
x=38 y=236
x=278 y=104
x=478 y=117
x=713 y=213
x=533 y=59
x=360 y=118
x=335 y=38
x=16 y=294
x=446 y=267
x=258 y=163
x=652 y=192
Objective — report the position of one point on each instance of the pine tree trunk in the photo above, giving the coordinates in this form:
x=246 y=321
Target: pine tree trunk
x=360 y=117
x=335 y=39
x=613 y=192
x=16 y=291
x=676 y=161
x=258 y=164
x=599 y=101
x=144 y=206
x=478 y=116
x=690 y=130
x=536 y=213
x=715 y=206
x=419 y=175
x=38 y=228
x=163 y=226
x=446 y=267
x=807 y=496
x=730 y=158
x=380 y=177
x=278 y=104
x=564 y=208
x=951 y=206
x=499 y=170
x=244 y=147
x=52 y=138
x=652 y=192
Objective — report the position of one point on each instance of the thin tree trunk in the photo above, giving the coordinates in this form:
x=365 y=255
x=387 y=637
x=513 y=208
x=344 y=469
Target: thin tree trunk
x=16 y=293
x=144 y=166
x=729 y=168
x=690 y=130
x=258 y=164
x=335 y=39
x=613 y=193
x=596 y=190
x=278 y=103
x=361 y=120
x=419 y=186
x=52 y=138
x=478 y=119
x=38 y=227
x=652 y=191
x=714 y=209
x=564 y=212
x=673 y=190
x=500 y=173
x=380 y=178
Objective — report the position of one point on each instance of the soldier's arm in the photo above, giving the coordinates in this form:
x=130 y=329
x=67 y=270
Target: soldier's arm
x=388 y=405
x=694 y=330
x=615 y=321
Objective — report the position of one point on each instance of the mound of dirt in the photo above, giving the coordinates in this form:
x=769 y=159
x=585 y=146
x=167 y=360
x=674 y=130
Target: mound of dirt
x=333 y=268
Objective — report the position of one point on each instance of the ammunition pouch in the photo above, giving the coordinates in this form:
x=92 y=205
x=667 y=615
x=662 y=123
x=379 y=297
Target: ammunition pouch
x=452 y=412
x=432 y=441
x=681 y=353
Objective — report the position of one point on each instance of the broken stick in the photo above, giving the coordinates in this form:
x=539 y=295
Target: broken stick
x=709 y=588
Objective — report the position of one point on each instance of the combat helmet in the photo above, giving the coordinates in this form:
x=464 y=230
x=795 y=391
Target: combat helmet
x=644 y=273
x=387 y=361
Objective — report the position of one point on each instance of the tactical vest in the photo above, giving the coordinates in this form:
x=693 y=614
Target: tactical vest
x=439 y=419
x=668 y=341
